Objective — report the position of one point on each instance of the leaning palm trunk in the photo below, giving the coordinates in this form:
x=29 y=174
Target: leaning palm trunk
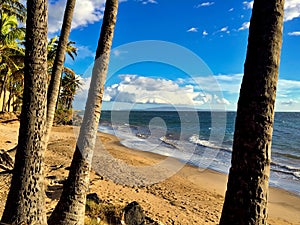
x=71 y=206
x=247 y=189
x=25 y=201
x=54 y=86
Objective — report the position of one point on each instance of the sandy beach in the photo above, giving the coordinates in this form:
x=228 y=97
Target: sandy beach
x=180 y=194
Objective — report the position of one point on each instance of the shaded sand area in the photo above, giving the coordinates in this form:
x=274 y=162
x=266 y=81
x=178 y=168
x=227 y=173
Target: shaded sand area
x=121 y=175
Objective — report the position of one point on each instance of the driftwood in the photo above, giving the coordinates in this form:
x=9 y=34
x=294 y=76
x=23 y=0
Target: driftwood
x=6 y=161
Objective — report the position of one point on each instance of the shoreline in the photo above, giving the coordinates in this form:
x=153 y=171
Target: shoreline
x=189 y=196
x=296 y=193
x=284 y=205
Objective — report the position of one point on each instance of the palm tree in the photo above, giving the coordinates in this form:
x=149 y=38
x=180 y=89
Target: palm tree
x=11 y=54
x=70 y=84
x=247 y=188
x=25 y=201
x=71 y=206
x=54 y=86
x=53 y=48
x=13 y=8
x=11 y=64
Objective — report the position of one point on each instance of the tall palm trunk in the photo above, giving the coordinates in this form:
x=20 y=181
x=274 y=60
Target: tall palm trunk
x=25 y=201
x=71 y=206
x=53 y=90
x=247 y=189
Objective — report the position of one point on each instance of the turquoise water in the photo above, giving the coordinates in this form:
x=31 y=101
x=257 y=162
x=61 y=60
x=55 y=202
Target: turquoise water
x=204 y=139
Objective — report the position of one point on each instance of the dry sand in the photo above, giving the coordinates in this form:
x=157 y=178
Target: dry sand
x=121 y=175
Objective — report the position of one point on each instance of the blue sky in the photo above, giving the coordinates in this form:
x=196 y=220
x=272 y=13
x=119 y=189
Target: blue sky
x=215 y=31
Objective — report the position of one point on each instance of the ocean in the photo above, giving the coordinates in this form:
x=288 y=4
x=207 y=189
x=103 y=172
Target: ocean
x=204 y=139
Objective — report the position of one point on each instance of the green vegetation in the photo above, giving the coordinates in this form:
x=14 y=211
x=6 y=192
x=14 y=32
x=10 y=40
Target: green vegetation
x=12 y=54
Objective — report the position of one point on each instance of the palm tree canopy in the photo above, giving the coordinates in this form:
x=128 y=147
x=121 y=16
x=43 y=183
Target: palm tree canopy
x=13 y=7
x=9 y=30
x=52 y=49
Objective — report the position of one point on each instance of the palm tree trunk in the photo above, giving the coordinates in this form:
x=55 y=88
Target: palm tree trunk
x=247 y=189
x=1 y=91
x=10 y=97
x=53 y=90
x=71 y=206
x=25 y=201
x=4 y=92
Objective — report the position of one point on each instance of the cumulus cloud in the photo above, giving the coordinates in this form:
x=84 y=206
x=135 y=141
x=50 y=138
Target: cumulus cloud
x=222 y=90
x=295 y=33
x=139 y=89
x=245 y=26
x=146 y=90
x=193 y=29
x=291 y=8
x=204 y=33
x=205 y=4
x=85 y=12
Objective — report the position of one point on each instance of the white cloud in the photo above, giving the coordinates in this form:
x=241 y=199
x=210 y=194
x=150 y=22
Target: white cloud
x=288 y=102
x=288 y=85
x=221 y=100
x=205 y=4
x=84 y=52
x=220 y=83
x=147 y=90
x=86 y=12
x=204 y=33
x=295 y=33
x=291 y=8
x=199 y=91
x=231 y=9
x=248 y=5
x=224 y=29
x=245 y=26
x=193 y=29
x=145 y=2
x=139 y=89
x=117 y=53
x=81 y=95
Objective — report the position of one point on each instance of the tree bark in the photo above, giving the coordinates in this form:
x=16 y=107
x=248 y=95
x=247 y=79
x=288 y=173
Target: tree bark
x=71 y=206
x=25 y=201
x=4 y=92
x=53 y=90
x=247 y=189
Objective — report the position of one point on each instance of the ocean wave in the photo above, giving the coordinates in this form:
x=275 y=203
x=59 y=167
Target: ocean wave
x=169 y=142
x=285 y=169
x=297 y=175
x=286 y=155
x=204 y=143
